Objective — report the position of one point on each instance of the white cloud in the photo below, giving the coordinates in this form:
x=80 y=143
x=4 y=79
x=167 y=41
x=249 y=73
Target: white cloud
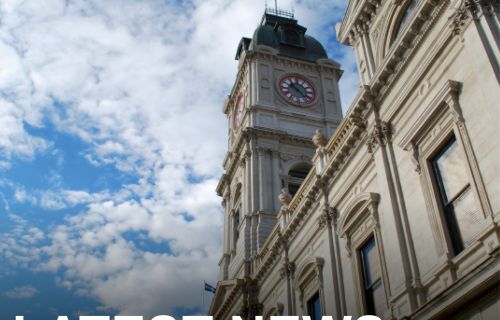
x=142 y=83
x=24 y=292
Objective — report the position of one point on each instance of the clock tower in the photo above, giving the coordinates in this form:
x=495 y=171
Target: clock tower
x=286 y=88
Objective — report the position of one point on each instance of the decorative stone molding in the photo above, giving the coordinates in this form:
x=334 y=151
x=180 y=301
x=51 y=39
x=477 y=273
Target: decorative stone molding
x=287 y=270
x=471 y=9
x=357 y=121
x=328 y=218
x=251 y=305
x=363 y=15
x=459 y=20
x=380 y=136
x=231 y=293
x=398 y=52
x=358 y=207
x=311 y=268
x=480 y=7
x=415 y=157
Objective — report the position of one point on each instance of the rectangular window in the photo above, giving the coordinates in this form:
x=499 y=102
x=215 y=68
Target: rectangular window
x=314 y=307
x=459 y=205
x=236 y=228
x=373 y=289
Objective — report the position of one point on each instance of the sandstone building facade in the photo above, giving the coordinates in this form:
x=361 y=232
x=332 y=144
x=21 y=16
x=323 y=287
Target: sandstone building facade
x=397 y=213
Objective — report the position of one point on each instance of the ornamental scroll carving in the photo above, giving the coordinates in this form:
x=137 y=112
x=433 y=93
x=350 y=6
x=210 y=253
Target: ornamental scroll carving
x=380 y=136
x=287 y=270
x=471 y=9
x=328 y=218
x=362 y=206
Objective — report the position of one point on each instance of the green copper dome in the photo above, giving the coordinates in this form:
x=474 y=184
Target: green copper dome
x=286 y=36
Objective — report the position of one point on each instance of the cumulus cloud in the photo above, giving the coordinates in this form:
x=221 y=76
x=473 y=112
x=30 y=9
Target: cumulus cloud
x=141 y=83
x=24 y=292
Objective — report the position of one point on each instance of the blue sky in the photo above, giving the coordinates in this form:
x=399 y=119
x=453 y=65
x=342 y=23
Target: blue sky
x=111 y=144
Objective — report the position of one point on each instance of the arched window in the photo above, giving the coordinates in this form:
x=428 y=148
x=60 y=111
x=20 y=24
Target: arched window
x=309 y=284
x=295 y=177
x=236 y=228
x=359 y=225
x=405 y=18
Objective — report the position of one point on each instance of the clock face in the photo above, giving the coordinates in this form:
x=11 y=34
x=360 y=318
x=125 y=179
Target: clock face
x=297 y=90
x=238 y=111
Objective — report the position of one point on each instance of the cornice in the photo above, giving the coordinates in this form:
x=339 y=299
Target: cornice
x=229 y=299
x=324 y=65
x=358 y=20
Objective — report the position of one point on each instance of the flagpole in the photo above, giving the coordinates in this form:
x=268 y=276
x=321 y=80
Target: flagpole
x=203 y=299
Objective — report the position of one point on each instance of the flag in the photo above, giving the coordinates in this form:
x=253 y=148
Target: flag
x=209 y=288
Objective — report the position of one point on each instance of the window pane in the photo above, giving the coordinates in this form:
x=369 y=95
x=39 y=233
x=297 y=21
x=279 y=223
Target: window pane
x=452 y=171
x=314 y=307
x=379 y=304
x=370 y=261
x=407 y=16
x=467 y=216
x=293 y=188
x=301 y=174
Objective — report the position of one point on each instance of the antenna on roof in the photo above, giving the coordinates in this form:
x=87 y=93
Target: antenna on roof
x=276 y=5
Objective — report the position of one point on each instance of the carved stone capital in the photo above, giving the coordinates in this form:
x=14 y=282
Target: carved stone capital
x=263 y=150
x=287 y=270
x=380 y=136
x=328 y=218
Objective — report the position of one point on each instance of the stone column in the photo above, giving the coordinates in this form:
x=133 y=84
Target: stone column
x=326 y=221
x=225 y=205
x=254 y=163
x=395 y=250
x=247 y=194
x=276 y=180
x=367 y=49
x=262 y=180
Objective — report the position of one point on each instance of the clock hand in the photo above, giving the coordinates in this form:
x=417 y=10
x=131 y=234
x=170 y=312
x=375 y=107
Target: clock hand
x=294 y=89
x=301 y=90
x=297 y=90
